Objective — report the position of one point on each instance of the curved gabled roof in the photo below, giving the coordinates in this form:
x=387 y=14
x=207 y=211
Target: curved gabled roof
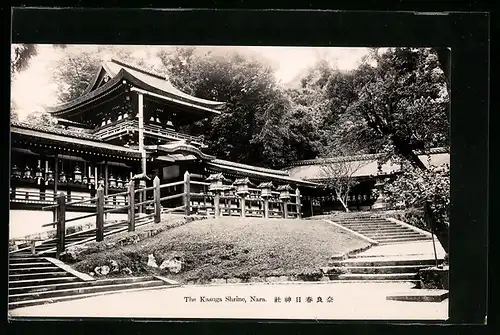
x=118 y=70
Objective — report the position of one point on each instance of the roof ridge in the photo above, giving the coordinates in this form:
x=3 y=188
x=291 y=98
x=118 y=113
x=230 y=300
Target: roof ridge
x=137 y=68
x=250 y=167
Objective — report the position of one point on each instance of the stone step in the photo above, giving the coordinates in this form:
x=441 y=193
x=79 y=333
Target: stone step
x=420 y=295
x=397 y=235
x=388 y=261
x=71 y=285
x=34 y=302
x=36 y=269
x=42 y=281
x=14 y=259
x=403 y=239
x=383 y=269
x=388 y=233
x=376 y=281
x=83 y=289
x=37 y=275
x=30 y=264
x=371 y=226
x=379 y=276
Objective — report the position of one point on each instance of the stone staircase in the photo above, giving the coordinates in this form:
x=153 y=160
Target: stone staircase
x=381 y=229
x=383 y=269
x=38 y=281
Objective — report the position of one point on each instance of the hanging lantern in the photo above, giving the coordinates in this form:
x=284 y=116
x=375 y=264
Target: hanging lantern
x=78 y=175
x=119 y=182
x=50 y=176
x=217 y=182
x=27 y=172
x=62 y=177
x=266 y=189
x=242 y=186
x=16 y=173
x=112 y=182
x=284 y=191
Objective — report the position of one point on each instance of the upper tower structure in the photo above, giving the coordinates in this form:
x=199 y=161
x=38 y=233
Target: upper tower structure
x=109 y=107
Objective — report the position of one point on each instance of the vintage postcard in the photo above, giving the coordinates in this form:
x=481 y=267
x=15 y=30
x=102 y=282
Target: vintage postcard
x=259 y=182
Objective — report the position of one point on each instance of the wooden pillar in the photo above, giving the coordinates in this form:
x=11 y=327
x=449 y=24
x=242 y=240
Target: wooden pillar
x=187 y=194
x=61 y=224
x=156 y=184
x=56 y=181
x=298 y=203
x=106 y=186
x=95 y=177
x=100 y=214
x=131 y=206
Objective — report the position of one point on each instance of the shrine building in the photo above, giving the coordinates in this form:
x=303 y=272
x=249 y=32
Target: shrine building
x=97 y=141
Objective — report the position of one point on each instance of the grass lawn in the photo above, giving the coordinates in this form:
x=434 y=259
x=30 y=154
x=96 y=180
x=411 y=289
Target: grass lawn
x=234 y=247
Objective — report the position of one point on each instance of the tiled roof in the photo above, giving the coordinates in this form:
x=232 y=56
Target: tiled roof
x=249 y=167
x=361 y=166
x=77 y=133
x=363 y=157
x=81 y=143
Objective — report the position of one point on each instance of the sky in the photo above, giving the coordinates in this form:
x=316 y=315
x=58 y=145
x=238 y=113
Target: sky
x=34 y=88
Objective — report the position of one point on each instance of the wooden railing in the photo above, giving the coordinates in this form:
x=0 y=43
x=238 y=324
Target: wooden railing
x=190 y=196
x=123 y=126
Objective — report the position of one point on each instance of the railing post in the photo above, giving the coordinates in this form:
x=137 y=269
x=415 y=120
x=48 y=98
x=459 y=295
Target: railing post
x=243 y=205
x=156 y=184
x=217 y=204
x=131 y=206
x=298 y=203
x=61 y=224
x=266 y=208
x=99 y=223
x=187 y=194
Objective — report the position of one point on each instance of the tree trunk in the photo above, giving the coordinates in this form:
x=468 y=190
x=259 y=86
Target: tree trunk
x=405 y=150
x=342 y=202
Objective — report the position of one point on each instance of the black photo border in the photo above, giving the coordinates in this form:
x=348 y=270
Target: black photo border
x=467 y=34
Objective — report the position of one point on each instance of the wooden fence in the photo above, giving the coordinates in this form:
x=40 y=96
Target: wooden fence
x=189 y=196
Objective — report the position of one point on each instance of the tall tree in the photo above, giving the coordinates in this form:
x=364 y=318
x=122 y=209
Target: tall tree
x=74 y=72
x=21 y=54
x=253 y=128
x=401 y=101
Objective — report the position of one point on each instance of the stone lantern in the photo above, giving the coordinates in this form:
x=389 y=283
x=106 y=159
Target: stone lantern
x=242 y=186
x=217 y=186
x=16 y=173
x=91 y=181
x=380 y=202
x=266 y=189
x=78 y=175
x=50 y=175
x=112 y=182
x=217 y=182
x=27 y=172
x=242 y=190
x=284 y=192
x=101 y=181
x=266 y=192
x=119 y=182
